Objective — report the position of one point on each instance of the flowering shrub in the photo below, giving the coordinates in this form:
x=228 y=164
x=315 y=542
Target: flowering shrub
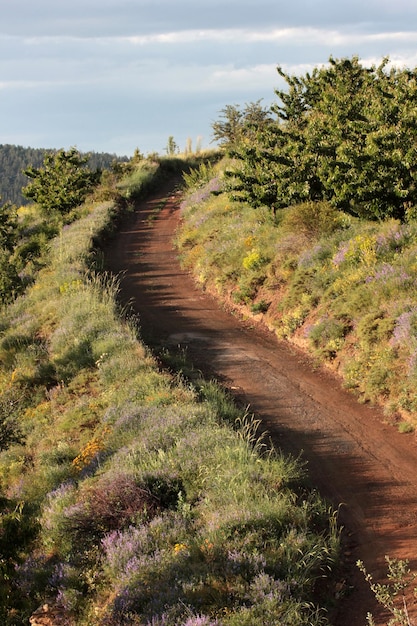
x=121 y=550
x=253 y=260
x=328 y=334
x=361 y=249
x=294 y=318
x=402 y=333
x=90 y=451
x=394 y=240
x=201 y=194
x=264 y=586
x=111 y=503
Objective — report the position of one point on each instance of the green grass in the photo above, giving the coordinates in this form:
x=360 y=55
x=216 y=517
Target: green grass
x=134 y=495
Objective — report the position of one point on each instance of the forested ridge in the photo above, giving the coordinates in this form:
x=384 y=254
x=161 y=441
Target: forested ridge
x=15 y=159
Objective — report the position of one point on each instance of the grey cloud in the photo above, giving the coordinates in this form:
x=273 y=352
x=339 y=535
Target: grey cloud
x=89 y=18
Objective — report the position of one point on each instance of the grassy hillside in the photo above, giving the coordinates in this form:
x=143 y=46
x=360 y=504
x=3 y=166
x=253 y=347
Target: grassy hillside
x=341 y=287
x=130 y=496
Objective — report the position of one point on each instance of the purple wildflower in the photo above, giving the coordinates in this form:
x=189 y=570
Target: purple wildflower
x=403 y=277
x=382 y=273
x=310 y=256
x=340 y=255
x=412 y=361
x=402 y=329
x=27 y=572
x=393 y=241
x=307 y=330
x=265 y=587
x=200 y=620
x=68 y=599
x=58 y=576
x=121 y=547
x=386 y=271
x=124 y=602
x=245 y=564
x=202 y=194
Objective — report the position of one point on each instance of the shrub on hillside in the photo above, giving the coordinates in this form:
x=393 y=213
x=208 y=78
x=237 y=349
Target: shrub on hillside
x=62 y=184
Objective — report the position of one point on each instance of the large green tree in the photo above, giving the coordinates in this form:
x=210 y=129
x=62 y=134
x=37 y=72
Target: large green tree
x=362 y=126
x=344 y=133
x=62 y=183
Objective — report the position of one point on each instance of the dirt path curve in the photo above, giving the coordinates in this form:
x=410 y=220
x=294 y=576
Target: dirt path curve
x=354 y=459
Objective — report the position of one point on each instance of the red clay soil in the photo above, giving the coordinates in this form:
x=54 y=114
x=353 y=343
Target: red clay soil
x=359 y=463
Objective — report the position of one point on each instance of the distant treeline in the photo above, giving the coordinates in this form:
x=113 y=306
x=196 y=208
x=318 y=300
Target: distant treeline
x=15 y=159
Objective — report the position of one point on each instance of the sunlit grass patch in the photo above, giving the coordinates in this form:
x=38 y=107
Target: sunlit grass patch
x=139 y=179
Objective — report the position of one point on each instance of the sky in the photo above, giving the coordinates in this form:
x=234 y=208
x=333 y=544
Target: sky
x=119 y=75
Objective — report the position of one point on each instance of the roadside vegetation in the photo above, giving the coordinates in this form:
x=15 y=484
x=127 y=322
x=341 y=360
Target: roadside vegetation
x=308 y=224
x=129 y=495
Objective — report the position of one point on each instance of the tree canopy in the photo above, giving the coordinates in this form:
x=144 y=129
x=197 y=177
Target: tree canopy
x=236 y=125
x=345 y=133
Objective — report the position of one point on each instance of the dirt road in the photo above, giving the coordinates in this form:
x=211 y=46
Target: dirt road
x=356 y=460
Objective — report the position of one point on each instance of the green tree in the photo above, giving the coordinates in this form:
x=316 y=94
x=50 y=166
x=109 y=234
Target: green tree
x=62 y=183
x=10 y=282
x=344 y=133
x=8 y=226
x=362 y=128
x=273 y=168
x=15 y=159
x=236 y=125
x=226 y=130
x=254 y=180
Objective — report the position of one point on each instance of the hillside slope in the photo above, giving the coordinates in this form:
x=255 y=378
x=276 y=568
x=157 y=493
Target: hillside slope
x=127 y=494
x=363 y=465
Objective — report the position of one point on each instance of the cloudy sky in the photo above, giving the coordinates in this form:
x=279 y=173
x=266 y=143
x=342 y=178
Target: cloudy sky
x=115 y=75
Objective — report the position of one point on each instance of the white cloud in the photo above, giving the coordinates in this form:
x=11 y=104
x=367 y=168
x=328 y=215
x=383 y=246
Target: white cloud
x=231 y=35
x=227 y=78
